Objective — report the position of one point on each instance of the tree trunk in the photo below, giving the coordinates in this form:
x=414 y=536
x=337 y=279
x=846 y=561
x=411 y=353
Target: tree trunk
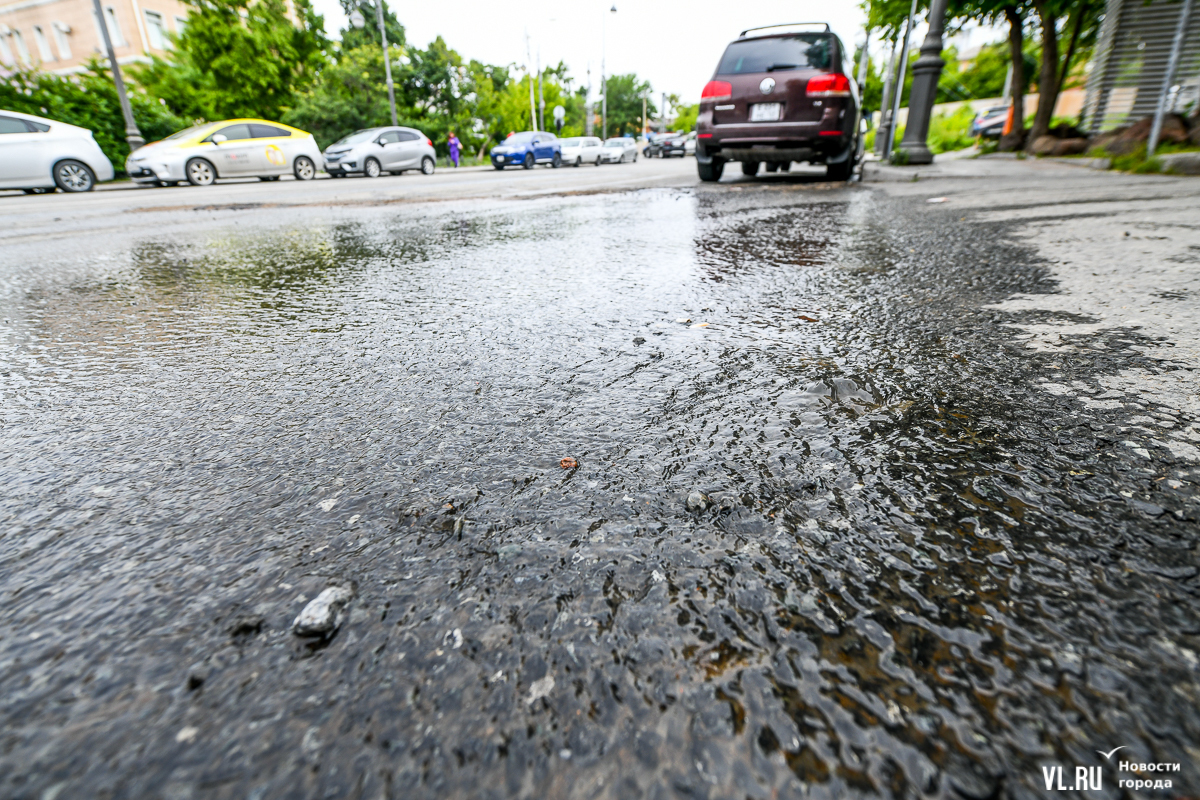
x=1048 y=78
x=1016 y=51
x=1080 y=13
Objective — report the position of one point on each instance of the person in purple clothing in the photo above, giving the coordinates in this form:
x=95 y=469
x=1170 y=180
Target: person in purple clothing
x=454 y=147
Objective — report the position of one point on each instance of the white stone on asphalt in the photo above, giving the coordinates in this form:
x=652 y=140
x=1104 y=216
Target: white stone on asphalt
x=323 y=615
x=539 y=689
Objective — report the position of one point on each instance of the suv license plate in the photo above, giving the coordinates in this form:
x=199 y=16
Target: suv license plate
x=766 y=112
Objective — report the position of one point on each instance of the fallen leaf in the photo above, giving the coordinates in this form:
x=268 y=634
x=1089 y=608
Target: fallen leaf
x=808 y=319
x=568 y=463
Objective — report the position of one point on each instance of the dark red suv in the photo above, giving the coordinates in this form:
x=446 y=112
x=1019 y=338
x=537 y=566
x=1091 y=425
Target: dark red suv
x=779 y=97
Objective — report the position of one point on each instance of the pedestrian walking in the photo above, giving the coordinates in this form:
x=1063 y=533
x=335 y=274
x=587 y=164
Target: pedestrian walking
x=455 y=144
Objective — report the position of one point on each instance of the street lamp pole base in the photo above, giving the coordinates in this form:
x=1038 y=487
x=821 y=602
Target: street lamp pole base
x=919 y=154
x=926 y=72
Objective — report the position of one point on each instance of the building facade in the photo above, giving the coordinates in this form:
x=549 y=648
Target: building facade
x=1131 y=62
x=61 y=35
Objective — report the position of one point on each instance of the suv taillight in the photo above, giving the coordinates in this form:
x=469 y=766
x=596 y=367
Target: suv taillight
x=717 y=90
x=829 y=85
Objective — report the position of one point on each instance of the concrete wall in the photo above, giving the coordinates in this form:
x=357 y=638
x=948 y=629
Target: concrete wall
x=1070 y=103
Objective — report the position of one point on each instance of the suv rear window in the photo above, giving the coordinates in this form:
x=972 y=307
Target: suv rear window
x=800 y=51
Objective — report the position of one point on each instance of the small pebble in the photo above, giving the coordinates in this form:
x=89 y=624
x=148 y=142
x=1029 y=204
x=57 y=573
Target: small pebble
x=323 y=615
x=696 y=501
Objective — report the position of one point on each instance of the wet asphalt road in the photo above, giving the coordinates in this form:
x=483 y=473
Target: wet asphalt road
x=919 y=574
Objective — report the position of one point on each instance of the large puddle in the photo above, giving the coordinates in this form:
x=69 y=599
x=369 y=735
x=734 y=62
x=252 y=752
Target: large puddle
x=912 y=576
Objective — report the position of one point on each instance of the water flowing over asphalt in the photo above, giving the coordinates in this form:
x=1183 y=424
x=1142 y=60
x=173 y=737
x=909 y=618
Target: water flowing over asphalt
x=915 y=572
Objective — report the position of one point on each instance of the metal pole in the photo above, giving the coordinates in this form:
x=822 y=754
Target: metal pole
x=862 y=63
x=541 y=97
x=532 y=109
x=1172 y=64
x=1008 y=84
x=885 y=111
x=662 y=113
x=387 y=59
x=926 y=72
x=645 y=122
x=589 y=127
x=603 y=80
x=132 y=134
x=898 y=89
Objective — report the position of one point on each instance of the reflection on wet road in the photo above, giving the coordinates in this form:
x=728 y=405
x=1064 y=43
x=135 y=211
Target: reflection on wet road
x=909 y=575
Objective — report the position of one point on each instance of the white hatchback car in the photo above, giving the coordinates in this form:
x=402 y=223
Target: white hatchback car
x=620 y=150
x=582 y=150
x=39 y=155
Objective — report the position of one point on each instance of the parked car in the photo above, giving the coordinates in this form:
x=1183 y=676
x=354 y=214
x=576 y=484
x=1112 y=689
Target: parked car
x=44 y=155
x=989 y=123
x=526 y=149
x=232 y=148
x=620 y=150
x=689 y=144
x=666 y=145
x=777 y=97
x=582 y=150
x=374 y=151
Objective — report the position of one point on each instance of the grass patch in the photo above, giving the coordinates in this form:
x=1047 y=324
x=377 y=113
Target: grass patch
x=1136 y=162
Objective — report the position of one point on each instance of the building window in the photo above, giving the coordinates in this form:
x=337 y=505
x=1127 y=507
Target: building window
x=156 y=31
x=60 y=38
x=6 y=56
x=43 y=44
x=22 y=50
x=114 y=27
x=180 y=26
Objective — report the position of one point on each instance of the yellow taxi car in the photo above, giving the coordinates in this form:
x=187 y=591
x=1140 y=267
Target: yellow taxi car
x=234 y=148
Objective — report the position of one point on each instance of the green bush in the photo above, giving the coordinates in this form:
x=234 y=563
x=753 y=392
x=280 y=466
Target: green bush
x=949 y=132
x=89 y=100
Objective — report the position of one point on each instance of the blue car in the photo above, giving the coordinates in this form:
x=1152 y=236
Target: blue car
x=526 y=149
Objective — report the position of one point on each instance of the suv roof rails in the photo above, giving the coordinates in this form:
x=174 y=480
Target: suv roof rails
x=824 y=25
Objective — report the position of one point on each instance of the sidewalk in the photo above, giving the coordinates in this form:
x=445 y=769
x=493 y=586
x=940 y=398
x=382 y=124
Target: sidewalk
x=967 y=163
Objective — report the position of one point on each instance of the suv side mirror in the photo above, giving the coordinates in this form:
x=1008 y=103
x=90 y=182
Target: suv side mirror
x=218 y=138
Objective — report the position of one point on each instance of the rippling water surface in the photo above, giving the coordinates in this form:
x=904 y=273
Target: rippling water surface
x=917 y=576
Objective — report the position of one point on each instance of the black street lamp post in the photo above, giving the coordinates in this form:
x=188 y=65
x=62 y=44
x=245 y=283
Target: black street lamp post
x=132 y=134
x=926 y=72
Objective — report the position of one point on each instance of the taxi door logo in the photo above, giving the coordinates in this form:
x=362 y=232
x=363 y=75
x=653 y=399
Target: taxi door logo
x=276 y=156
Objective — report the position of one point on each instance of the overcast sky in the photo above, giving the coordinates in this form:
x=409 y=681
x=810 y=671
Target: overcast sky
x=675 y=45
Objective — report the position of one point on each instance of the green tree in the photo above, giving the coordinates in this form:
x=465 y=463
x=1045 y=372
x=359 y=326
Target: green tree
x=625 y=93
x=238 y=58
x=686 y=118
x=89 y=100
x=368 y=34
x=350 y=95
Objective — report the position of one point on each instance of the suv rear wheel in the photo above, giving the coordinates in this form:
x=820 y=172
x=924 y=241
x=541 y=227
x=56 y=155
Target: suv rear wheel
x=710 y=172
x=840 y=172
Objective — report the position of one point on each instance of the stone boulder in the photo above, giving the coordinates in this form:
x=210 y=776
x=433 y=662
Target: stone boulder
x=1181 y=163
x=1053 y=146
x=1126 y=140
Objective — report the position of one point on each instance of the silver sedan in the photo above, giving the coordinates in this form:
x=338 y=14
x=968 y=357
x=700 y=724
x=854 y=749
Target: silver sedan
x=374 y=151
x=620 y=150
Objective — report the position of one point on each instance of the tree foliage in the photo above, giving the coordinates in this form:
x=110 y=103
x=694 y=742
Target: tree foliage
x=252 y=58
x=238 y=58
x=625 y=93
